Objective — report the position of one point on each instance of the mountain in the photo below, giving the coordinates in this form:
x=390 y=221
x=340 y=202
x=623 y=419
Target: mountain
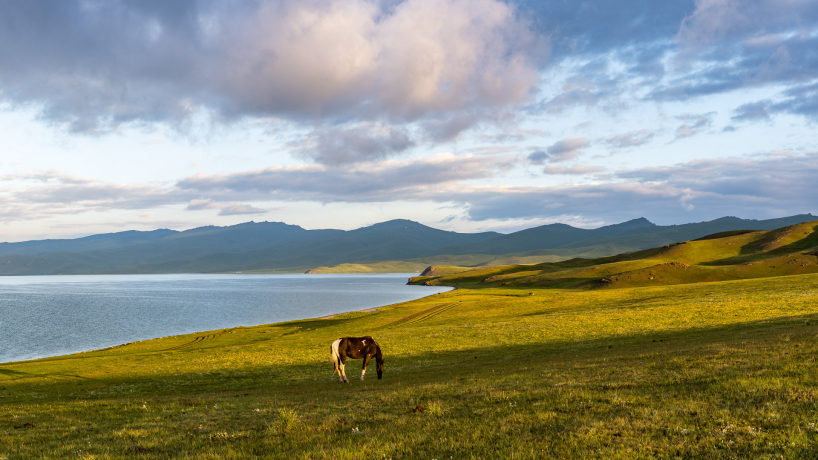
x=88 y=243
x=628 y=236
x=396 y=239
x=265 y=245
x=279 y=247
x=646 y=237
x=544 y=237
x=562 y=242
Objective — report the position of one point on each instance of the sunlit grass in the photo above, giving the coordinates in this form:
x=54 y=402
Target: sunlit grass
x=699 y=370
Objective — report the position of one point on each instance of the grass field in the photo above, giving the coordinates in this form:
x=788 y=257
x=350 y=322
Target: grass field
x=723 y=369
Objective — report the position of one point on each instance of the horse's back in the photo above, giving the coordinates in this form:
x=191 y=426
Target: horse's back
x=357 y=347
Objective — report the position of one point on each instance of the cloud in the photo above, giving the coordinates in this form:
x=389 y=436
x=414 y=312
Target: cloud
x=572 y=170
x=200 y=204
x=47 y=177
x=710 y=22
x=800 y=100
x=338 y=145
x=752 y=23
x=753 y=111
x=770 y=182
x=386 y=181
x=594 y=27
x=36 y=195
x=772 y=185
x=157 y=141
x=430 y=69
x=236 y=209
x=92 y=66
x=698 y=190
x=515 y=135
x=538 y=157
x=631 y=138
x=706 y=189
x=695 y=124
x=566 y=149
x=562 y=150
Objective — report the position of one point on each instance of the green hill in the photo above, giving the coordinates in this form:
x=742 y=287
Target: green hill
x=726 y=256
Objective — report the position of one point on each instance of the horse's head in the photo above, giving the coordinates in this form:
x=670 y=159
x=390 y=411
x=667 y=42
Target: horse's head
x=379 y=360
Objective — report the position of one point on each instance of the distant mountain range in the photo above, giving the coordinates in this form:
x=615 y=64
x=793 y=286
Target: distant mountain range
x=278 y=247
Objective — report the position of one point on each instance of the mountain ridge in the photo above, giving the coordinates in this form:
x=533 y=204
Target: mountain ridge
x=281 y=247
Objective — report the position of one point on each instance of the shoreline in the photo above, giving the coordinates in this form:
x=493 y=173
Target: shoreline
x=330 y=316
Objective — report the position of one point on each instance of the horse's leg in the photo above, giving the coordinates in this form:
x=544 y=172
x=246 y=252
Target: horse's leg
x=344 y=378
x=366 y=362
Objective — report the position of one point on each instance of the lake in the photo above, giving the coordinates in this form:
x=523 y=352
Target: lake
x=43 y=316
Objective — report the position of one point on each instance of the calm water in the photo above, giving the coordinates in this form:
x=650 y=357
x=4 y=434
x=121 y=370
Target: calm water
x=44 y=316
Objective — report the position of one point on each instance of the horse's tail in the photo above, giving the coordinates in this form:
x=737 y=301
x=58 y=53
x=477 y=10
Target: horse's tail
x=336 y=357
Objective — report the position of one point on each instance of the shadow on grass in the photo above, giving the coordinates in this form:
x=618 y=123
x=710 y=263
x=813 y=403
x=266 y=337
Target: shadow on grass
x=11 y=372
x=19 y=375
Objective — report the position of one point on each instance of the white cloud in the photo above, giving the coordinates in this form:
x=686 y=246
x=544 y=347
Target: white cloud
x=631 y=138
x=239 y=209
x=341 y=145
x=763 y=185
x=200 y=204
x=572 y=170
x=446 y=63
x=566 y=149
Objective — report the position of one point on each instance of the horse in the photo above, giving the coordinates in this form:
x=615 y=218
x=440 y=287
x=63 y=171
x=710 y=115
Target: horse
x=355 y=348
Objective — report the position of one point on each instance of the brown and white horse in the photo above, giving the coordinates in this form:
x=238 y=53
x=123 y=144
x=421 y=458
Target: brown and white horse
x=355 y=348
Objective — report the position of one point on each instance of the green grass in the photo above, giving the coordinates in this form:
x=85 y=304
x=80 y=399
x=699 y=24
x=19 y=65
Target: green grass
x=714 y=370
x=691 y=370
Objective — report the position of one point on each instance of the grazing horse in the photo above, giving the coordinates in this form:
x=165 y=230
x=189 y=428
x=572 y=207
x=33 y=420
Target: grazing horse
x=355 y=348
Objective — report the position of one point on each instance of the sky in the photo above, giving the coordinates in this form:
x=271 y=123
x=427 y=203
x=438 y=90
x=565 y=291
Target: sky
x=464 y=115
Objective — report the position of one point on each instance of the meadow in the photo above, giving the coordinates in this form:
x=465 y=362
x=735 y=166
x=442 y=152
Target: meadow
x=554 y=366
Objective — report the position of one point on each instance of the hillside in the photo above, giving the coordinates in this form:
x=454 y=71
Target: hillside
x=725 y=256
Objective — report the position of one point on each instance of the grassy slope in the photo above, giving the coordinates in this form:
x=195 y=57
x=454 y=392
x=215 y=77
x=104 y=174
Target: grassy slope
x=787 y=251
x=706 y=370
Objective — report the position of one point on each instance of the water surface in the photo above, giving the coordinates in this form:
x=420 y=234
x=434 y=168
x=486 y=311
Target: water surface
x=44 y=316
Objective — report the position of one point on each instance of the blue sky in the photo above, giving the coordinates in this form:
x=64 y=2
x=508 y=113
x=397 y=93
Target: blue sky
x=463 y=115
